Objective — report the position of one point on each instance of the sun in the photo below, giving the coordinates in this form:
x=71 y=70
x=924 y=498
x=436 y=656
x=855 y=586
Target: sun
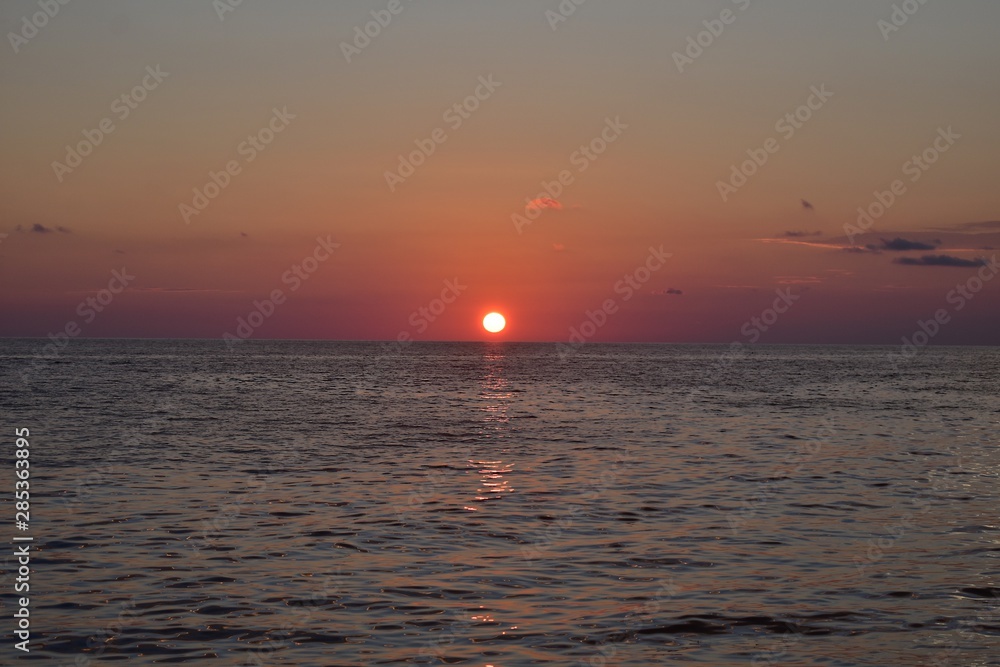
x=494 y=322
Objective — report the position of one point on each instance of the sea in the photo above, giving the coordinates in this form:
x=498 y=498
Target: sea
x=502 y=504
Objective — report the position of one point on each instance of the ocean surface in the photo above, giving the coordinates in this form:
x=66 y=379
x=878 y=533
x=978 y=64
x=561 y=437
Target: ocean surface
x=313 y=503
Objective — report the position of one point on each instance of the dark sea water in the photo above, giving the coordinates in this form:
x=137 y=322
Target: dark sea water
x=307 y=503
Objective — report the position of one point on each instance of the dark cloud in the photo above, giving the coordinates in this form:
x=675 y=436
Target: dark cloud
x=799 y=235
x=867 y=249
x=939 y=260
x=41 y=229
x=668 y=292
x=244 y=235
x=902 y=245
x=806 y=205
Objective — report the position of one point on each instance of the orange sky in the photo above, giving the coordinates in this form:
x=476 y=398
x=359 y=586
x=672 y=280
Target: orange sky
x=198 y=87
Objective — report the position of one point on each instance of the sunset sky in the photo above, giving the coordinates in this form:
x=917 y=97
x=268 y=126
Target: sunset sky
x=620 y=76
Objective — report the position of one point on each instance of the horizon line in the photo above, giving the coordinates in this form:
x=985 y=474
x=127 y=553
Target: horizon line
x=513 y=342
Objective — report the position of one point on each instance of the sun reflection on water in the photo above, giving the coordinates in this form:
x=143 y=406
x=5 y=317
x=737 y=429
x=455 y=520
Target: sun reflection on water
x=492 y=461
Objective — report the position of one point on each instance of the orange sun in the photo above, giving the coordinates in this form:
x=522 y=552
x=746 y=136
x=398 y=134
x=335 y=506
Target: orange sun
x=494 y=322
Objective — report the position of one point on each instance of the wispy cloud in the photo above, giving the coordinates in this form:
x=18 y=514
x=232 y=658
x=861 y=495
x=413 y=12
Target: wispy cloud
x=38 y=228
x=899 y=244
x=545 y=202
x=973 y=227
x=797 y=280
x=939 y=260
x=812 y=244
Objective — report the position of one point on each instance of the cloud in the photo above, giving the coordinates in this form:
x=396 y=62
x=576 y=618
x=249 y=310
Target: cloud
x=545 y=202
x=901 y=245
x=244 y=235
x=668 y=292
x=798 y=235
x=797 y=280
x=806 y=205
x=825 y=245
x=867 y=249
x=939 y=260
x=41 y=229
x=972 y=227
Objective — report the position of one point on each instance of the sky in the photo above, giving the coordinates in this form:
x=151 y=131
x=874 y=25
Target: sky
x=626 y=170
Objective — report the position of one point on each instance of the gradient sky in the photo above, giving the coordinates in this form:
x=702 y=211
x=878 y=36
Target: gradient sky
x=656 y=185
